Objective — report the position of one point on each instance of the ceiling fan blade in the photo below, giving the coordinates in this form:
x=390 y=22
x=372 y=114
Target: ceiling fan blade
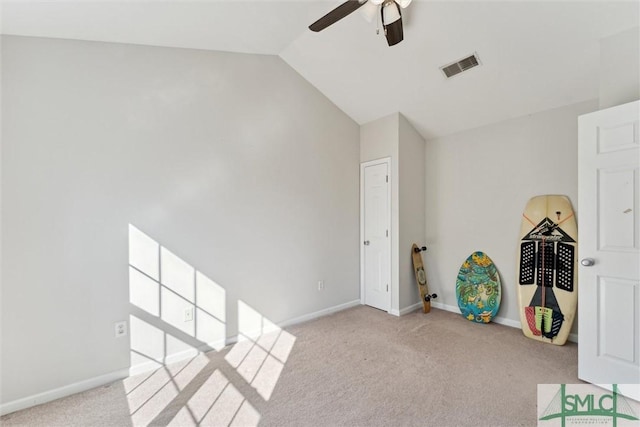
x=336 y=14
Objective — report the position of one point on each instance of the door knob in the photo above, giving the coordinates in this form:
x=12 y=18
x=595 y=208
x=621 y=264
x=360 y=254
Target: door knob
x=587 y=262
x=366 y=243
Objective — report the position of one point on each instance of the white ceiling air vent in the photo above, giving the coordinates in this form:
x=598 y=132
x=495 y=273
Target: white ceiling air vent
x=460 y=66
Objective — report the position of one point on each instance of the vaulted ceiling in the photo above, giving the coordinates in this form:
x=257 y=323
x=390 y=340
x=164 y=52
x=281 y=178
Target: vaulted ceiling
x=535 y=55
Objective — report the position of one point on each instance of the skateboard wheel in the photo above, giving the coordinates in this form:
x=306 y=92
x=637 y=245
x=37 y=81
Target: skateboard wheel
x=434 y=296
x=424 y=248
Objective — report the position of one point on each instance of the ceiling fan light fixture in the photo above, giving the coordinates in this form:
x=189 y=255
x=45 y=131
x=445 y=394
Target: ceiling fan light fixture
x=392 y=22
x=376 y=2
x=390 y=13
x=404 y=3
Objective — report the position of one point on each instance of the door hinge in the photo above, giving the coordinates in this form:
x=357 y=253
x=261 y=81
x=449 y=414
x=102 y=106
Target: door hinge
x=387 y=233
x=387 y=287
x=387 y=178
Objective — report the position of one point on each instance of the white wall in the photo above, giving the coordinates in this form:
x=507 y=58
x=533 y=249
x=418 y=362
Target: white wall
x=231 y=162
x=478 y=183
x=412 y=208
x=620 y=68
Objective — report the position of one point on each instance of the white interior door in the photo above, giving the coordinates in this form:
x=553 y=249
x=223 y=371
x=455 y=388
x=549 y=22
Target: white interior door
x=609 y=246
x=376 y=243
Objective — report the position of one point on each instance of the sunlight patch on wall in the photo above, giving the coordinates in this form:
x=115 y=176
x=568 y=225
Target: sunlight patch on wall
x=176 y=275
x=210 y=311
x=144 y=253
x=181 y=302
x=149 y=350
x=144 y=292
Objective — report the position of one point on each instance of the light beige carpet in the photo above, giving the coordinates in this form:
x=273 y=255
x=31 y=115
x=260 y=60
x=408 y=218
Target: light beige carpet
x=358 y=367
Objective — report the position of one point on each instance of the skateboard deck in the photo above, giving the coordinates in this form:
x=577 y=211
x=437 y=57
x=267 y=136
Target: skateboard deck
x=478 y=288
x=421 y=278
x=547 y=269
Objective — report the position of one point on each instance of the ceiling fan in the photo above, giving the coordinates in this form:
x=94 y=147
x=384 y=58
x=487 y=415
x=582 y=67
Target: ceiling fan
x=390 y=12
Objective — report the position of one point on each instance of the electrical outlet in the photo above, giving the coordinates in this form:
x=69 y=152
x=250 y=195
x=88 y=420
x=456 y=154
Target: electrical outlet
x=188 y=314
x=121 y=329
x=321 y=285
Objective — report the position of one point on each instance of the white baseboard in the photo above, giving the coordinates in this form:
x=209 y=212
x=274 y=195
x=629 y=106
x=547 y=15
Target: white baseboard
x=406 y=310
x=64 y=391
x=190 y=353
x=319 y=313
x=141 y=368
x=500 y=320
x=152 y=365
x=302 y=319
x=48 y=396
